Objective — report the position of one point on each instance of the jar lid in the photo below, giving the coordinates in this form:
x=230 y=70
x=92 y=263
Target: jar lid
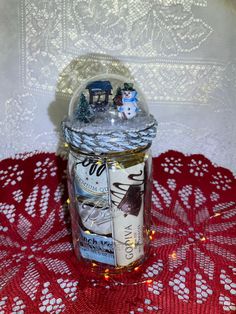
x=108 y=114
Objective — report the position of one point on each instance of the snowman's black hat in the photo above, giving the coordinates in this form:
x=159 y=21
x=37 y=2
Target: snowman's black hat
x=128 y=87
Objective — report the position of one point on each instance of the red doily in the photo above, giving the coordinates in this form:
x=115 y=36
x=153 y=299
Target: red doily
x=193 y=264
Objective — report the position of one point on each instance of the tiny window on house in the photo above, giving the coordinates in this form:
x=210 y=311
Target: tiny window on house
x=99 y=92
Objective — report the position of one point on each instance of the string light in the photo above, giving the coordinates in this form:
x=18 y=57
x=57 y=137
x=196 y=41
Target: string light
x=174 y=255
x=203 y=239
x=217 y=214
x=132 y=243
x=149 y=281
x=118 y=165
x=68 y=201
x=66 y=145
x=106 y=276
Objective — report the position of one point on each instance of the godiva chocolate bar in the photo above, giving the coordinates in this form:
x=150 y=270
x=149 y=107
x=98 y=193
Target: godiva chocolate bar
x=127 y=188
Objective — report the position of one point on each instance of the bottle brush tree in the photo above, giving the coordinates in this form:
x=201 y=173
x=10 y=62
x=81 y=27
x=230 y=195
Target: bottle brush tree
x=83 y=111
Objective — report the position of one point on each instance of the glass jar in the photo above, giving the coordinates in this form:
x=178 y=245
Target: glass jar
x=109 y=173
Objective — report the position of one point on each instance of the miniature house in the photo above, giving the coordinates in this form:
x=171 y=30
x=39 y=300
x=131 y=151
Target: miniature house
x=99 y=92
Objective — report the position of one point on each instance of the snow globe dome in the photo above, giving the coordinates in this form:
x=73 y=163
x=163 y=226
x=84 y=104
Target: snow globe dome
x=108 y=113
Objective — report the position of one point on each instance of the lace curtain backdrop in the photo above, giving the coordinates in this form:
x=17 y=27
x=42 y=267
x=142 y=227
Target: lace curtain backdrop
x=182 y=53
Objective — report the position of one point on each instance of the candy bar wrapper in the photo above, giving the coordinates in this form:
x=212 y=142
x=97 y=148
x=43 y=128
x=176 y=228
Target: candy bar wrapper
x=126 y=197
x=91 y=190
x=91 y=180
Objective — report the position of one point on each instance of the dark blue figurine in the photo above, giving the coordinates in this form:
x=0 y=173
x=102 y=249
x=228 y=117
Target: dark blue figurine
x=99 y=92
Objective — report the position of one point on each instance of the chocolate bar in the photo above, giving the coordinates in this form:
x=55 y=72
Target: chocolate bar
x=131 y=202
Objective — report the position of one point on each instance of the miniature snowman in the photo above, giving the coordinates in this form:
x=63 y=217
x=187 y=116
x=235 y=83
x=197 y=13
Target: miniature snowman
x=129 y=107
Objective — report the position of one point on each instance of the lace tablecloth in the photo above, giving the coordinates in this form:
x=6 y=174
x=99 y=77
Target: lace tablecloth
x=192 y=268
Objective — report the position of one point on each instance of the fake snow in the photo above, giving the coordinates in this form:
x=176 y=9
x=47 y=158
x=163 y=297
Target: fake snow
x=109 y=121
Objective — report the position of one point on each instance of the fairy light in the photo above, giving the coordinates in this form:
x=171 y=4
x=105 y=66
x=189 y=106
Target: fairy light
x=68 y=201
x=149 y=281
x=106 y=275
x=132 y=243
x=118 y=165
x=87 y=231
x=173 y=255
x=151 y=233
x=66 y=145
x=217 y=214
x=136 y=268
x=203 y=239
